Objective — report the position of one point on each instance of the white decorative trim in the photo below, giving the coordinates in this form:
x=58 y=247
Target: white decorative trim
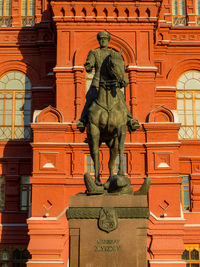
x=35 y=115
x=168 y=176
x=162 y=143
x=175 y=114
x=173 y=87
x=48 y=218
x=142 y=67
x=149 y=123
x=69 y=68
x=165 y=41
x=161 y=165
x=181 y=218
x=128 y=143
x=52 y=143
x=49 y=152
x=167 y=261
x=46 y=123
x=74 y=178
x=175 y=42
x=150 y=143
x=48 y=165
x=45 y=261
x=192 y=225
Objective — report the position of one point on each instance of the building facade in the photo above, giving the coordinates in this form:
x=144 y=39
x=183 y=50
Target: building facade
x=43 y=47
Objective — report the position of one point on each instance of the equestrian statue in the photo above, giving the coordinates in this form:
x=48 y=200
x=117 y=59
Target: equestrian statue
x=106 y=115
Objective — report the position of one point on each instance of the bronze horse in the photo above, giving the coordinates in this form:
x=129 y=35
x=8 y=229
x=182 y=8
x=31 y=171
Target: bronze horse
x=107 y=116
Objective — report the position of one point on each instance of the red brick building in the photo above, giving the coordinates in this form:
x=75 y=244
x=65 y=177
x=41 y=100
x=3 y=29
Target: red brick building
x=43 y=47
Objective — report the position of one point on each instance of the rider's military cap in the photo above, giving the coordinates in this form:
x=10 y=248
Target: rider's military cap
x=104 y=34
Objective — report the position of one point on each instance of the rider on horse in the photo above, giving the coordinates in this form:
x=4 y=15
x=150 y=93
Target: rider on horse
x=95 y=60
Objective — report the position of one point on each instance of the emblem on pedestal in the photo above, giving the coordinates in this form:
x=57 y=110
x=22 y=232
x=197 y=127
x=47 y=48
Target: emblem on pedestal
x=108 y=220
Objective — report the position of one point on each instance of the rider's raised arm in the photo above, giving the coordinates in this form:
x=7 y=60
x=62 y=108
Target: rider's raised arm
x=90 y=61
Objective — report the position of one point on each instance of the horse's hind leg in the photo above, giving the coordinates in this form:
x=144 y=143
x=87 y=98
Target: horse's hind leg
x=113 y=145
x=121 y=137
x=93 y=141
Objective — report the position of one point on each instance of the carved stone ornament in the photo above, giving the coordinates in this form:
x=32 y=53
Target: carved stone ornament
x=108 y=220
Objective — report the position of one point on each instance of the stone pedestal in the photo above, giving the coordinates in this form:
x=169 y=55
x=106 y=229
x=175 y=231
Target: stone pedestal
x=108 y=231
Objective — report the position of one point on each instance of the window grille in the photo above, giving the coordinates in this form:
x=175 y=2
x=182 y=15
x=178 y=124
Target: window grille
x=179 y=12
x=185 y=193
x=198 y=12
x=15 y=106
x=25 y=193
x=89 y=164
x=5 y=13
x=28 y=13
x=14 y=256
x=188 y=105
x=2 y=192
x=191 y=255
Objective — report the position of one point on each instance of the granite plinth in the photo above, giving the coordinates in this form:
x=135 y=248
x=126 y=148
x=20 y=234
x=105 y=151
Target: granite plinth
x=125 y=246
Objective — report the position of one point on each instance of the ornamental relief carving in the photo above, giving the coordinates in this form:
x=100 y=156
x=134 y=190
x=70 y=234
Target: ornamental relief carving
x=179 y=37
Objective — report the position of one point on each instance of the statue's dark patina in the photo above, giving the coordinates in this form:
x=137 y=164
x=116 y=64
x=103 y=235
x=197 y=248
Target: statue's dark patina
x=105 y=114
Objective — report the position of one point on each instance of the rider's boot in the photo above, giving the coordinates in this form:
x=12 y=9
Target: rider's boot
x=80 y=125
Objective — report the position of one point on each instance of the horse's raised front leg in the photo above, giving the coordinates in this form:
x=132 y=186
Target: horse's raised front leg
x=121 y=138
x=93 y=141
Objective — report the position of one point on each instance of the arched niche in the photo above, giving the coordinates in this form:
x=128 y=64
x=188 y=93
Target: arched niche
x=116 y=43
x=180 y=67
x=26 y=68
x=160 y=114
x=49 y=114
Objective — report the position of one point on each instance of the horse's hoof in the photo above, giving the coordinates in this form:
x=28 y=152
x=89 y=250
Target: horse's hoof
x=121 y=181
x=98 y=183
x=106 y=185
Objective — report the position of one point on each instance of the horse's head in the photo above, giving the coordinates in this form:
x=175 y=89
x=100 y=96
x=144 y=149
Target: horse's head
x=116 y=68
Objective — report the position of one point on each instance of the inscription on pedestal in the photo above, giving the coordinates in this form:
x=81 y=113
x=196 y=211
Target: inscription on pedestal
x=110 y=245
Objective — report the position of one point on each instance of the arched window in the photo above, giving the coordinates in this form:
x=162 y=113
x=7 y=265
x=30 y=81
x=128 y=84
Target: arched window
x=5 y=13
x=179 y=12
x=191 y=255
x=14 y=256
x=198 y=12
x=15 y=106
x=188 y=105
x=28 y=12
